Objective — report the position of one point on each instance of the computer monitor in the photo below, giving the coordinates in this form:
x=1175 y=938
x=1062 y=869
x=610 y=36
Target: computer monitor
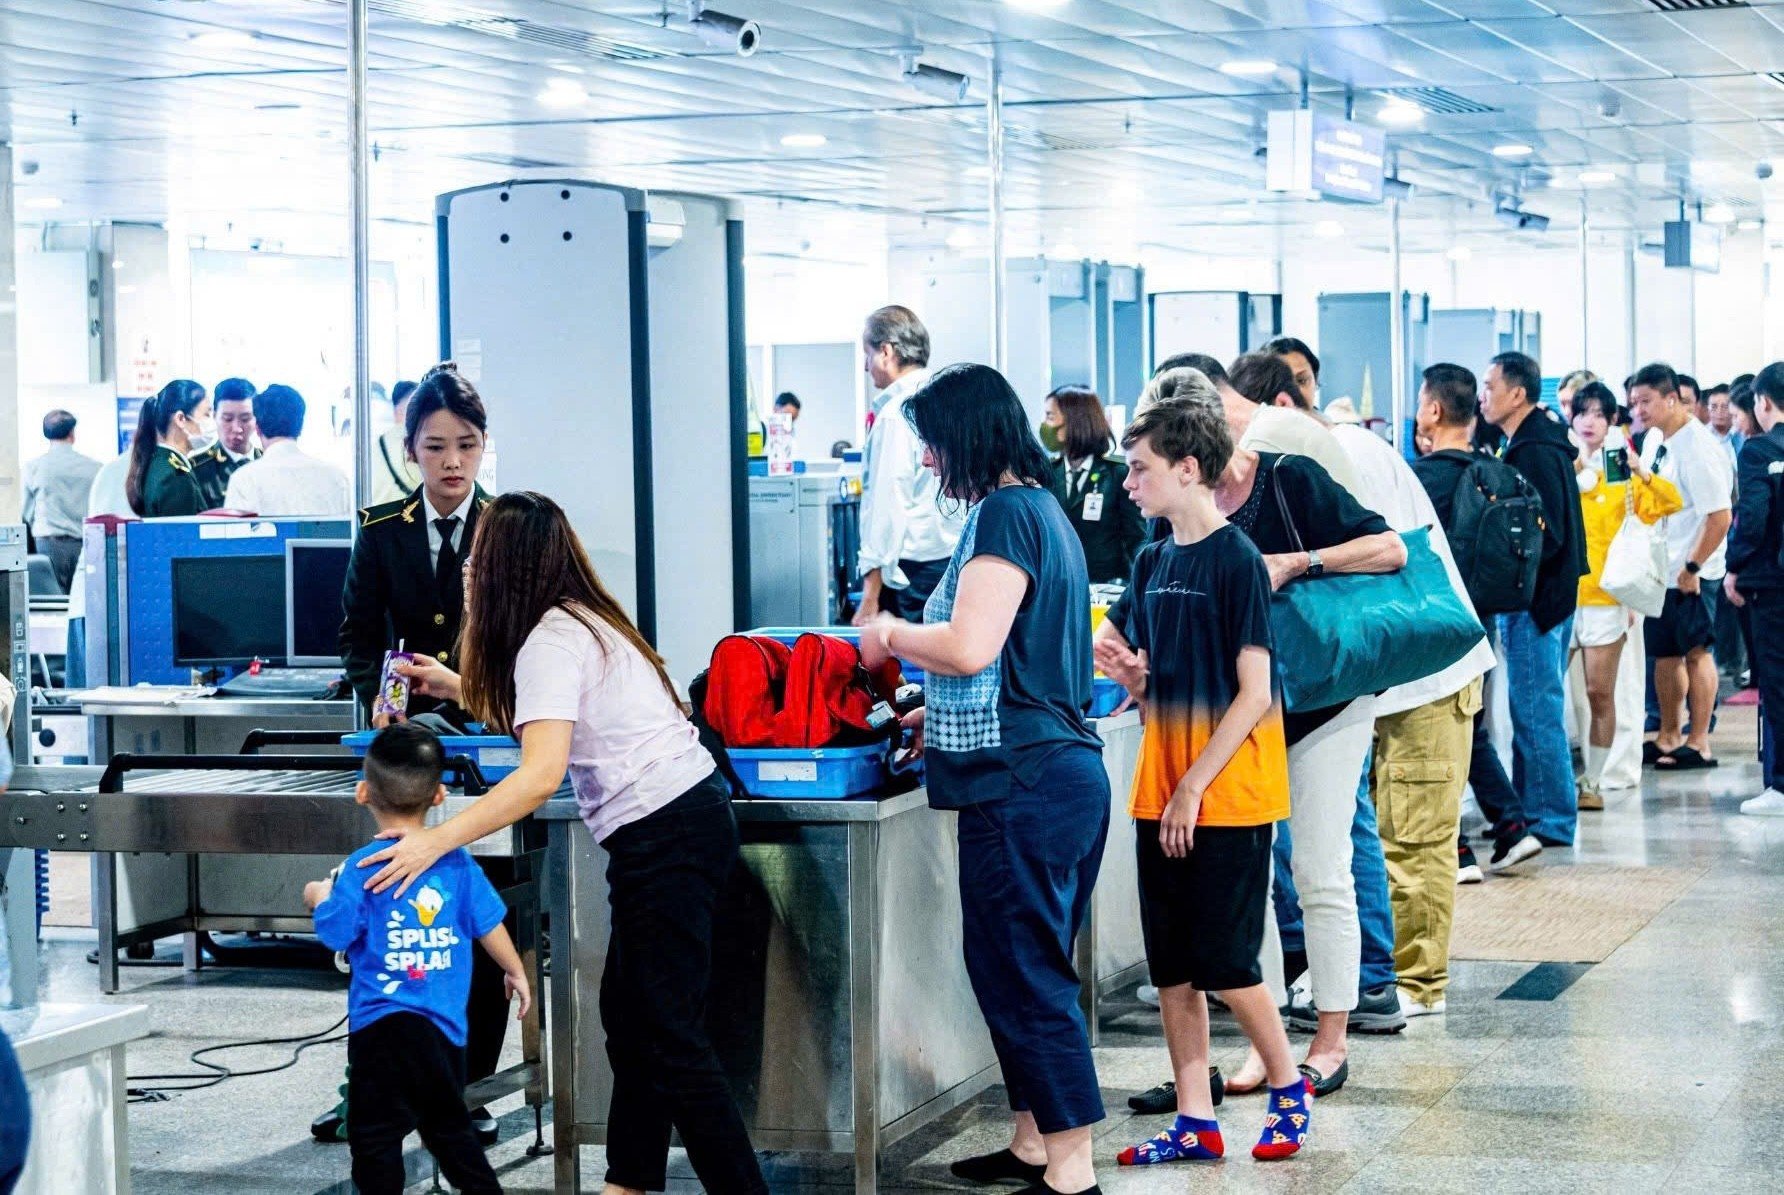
x=315 y=574
x=227 y=610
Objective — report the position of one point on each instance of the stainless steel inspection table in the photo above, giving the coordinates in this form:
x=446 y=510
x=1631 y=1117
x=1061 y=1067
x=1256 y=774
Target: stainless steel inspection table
x=841 y=1005
x=255 y=805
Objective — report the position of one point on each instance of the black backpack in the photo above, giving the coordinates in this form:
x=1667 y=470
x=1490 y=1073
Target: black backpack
x=1496 y=535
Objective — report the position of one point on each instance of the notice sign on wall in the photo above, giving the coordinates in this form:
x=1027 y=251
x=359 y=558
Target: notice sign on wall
x=1312 y=153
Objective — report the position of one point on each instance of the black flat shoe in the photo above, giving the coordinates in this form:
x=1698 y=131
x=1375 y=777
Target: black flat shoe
x=1041 y=1188
x=330 y=1127
x=1323 y=1086
x=488 y=1132
x=1163 y=1098
x=1000 y=1167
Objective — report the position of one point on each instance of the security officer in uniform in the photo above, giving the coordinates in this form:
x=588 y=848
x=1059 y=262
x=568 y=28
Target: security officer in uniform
x=160 y=483
x=234 y=399
x=405 y=584
x=1090 y=485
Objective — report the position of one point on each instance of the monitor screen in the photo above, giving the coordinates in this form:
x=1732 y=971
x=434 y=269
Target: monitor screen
x=227 y=610
x=317 y=572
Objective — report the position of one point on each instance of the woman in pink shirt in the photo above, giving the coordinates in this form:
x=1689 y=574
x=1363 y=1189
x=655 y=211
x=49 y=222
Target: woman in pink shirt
x=549 y=656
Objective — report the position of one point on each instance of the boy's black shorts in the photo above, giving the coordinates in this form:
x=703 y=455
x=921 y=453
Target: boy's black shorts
x=1203 y=915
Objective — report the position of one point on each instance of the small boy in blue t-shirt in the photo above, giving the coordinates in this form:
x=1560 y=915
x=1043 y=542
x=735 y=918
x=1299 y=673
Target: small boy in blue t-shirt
x=411 y=963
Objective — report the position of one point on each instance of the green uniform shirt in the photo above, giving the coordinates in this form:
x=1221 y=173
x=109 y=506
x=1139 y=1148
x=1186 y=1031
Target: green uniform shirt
x=213 y=468
x=169 y=486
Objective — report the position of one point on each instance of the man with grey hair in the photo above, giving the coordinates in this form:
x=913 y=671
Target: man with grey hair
x=907 y=537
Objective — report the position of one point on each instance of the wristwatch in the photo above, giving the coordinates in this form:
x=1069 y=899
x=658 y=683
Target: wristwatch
x=1315 y=566
x=1692 y=567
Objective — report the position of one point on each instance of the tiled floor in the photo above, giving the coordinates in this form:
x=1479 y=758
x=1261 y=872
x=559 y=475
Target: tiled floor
x=1649 y=1072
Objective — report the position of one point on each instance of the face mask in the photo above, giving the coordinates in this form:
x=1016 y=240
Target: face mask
x=206 y=435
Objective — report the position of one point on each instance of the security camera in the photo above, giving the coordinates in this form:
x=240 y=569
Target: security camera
x=27 y=168
x=1610 y=105
x=1762 y=171
x=1520 y=219
x=937 y=81
x=742 y=37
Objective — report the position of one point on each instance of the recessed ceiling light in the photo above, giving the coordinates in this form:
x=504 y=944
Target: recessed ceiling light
x=1402 y=112
x=1037 y=4
x=1594 y=178
x=1328 y=230
x=1718 y=213
x=1459 y=253
x=1749 y=224
x=222 y=39
x=1248 y=67
x=977 y=172
x=805 y=140
x=1514 y=149
x=41 y=203
x=563 y=93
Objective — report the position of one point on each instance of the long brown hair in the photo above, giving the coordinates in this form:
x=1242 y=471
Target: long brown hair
x=1086 y=430
x=525 y=562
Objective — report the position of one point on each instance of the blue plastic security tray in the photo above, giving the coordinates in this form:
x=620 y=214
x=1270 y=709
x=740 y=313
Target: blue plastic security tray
x=496 y=755
x=1105 y=695
x=811 y=773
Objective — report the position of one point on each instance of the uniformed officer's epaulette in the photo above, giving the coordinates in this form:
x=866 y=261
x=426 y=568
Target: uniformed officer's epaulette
x=371 y=516
x=179 y=463
x=213 y=453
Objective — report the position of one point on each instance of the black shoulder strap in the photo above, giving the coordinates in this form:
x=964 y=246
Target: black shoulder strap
x=1288 y=520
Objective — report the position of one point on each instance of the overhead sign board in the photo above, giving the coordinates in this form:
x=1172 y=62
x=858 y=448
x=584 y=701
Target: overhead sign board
x=1316 y=154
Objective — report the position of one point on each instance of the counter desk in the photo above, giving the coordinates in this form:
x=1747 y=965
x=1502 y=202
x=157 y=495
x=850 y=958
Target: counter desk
x=841 y=1007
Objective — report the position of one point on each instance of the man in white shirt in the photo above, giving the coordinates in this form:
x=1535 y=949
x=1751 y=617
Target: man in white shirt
x=1681 y=640
x=287 y=480
x=394 y=475
x=907 y=536
x=56 y=488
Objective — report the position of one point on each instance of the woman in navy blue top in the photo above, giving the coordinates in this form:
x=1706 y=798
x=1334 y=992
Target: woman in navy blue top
x=1006 y=646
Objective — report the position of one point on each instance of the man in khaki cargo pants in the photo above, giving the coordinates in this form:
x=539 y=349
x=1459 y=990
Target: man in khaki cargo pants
x=1421 y=766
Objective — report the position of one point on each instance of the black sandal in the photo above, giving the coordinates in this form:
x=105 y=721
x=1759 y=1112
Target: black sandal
x=1684 y=759
x=1650 y=753
x=1323 y=1086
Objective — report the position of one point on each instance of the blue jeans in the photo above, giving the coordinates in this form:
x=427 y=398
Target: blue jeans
x=1369 y=870
x=1028 y=864
x=15 y=1118
x=1542 y=760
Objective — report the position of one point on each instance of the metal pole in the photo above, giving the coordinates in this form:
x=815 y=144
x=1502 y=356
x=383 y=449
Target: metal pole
x=1629 y=314
x=360 y=217
x=994 y=152
x=1396 y=326
x=1585 y=294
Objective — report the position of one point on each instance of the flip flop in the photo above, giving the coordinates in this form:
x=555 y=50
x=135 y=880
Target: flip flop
x=1684 y=759
x=1322 y=1086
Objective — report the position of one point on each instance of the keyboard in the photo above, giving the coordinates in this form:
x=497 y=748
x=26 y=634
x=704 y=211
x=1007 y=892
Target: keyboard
x=281 y=682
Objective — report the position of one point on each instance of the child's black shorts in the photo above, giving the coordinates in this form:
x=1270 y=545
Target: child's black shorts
x=1203 y=915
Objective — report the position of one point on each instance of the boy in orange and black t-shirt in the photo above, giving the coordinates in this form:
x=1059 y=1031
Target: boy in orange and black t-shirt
x=1191 y=641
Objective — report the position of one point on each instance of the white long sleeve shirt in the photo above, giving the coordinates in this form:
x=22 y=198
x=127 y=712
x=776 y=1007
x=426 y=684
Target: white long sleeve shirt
x=289 y=481
x=903 y=516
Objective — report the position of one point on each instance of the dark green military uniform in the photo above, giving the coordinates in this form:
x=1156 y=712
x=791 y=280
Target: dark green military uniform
x=213 y=468
x=169 y=487
x=391 y=594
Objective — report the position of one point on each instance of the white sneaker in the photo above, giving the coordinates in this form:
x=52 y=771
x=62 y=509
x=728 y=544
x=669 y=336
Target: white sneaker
x=1148 y=994
x=1769 y=803
x=1412 y=1008
x=1472 y=874
x=1525 y=848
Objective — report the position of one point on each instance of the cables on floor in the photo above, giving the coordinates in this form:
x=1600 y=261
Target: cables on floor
x=148 y=1089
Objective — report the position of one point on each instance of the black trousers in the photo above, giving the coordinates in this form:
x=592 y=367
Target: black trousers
x=1766 y=607
x=908 y=603
x=402 y=1076
x=64 y=552
x=488 y=1011
x=1499 y=802
x=664 y=877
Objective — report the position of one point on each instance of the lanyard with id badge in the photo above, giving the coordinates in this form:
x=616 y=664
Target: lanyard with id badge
x=1093 y=501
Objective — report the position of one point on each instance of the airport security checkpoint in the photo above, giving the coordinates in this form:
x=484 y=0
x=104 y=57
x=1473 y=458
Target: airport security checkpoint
x=629 y=597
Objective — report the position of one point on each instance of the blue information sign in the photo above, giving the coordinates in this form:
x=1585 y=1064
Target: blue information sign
x=1349 y=159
